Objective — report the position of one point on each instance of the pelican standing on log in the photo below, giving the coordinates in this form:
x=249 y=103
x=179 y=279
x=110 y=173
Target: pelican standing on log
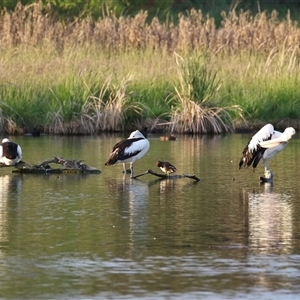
x=129 y=150
x=264 y=145
x=10 y=153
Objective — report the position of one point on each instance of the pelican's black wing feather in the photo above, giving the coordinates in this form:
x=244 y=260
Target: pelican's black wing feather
x=119 y=151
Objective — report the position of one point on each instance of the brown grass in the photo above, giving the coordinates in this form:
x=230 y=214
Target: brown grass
x=262 y=32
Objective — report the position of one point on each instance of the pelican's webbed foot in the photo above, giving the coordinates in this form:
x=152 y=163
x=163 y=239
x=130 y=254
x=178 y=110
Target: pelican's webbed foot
x=268 y=176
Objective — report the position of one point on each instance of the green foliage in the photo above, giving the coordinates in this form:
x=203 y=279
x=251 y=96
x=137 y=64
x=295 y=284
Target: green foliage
x=66 y=9
x=79 y=8
x=194 y=111
x=70 y=84
x=265 y=87
x=155 y=95
x=154 y=7
x=13 y=100
x=197 y=81
x=278 y=100
x=209 y=92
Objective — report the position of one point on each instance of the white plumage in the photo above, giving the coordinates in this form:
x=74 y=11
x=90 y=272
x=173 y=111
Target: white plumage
x=10 y=153
x=264 y=145
x=129 y=150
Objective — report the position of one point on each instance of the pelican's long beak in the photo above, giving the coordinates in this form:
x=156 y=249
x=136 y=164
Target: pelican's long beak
x=272 y=143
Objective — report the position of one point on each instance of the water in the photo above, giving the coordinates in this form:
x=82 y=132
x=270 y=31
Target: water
x=102 y=236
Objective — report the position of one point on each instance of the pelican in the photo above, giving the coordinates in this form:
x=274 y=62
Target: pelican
x=166 y=167
x=129 y=150
x=10 y=153
x=265 y=144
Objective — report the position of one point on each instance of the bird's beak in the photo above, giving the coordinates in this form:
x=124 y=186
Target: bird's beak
x=272 y=143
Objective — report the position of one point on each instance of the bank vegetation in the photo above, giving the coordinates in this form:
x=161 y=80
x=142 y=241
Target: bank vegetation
x=122 y=73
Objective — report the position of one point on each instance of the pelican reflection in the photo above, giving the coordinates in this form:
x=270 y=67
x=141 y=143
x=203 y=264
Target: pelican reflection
x=131 y=198
x=270 y=221
x=10 y=192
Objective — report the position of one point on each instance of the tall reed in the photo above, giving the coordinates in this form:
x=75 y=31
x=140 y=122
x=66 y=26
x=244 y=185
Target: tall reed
x=262 y=32
x=109 y=114
x=195 y=111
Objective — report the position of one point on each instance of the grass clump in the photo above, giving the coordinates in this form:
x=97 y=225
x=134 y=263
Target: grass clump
x=92 y=109
x=106 y=111
x=194 y=108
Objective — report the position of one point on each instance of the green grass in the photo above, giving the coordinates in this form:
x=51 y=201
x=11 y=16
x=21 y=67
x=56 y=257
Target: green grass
x=266 y=87
x=278 y=100
x=86 y=91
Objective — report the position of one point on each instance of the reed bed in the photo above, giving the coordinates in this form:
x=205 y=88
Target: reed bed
x=112 y=74
x=28 y=25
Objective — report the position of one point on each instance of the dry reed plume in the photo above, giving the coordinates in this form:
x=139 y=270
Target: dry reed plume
x=27 y=25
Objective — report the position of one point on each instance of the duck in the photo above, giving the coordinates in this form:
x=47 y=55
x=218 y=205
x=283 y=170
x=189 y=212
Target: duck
x=166 y=167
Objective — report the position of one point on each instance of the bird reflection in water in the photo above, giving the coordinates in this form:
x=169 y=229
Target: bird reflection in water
x=270 y=221
x=10 y=192
x=166 y=187
x=132 y=198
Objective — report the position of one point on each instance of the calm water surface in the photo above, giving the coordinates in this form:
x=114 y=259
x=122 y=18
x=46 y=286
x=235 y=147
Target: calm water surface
x=108 y=237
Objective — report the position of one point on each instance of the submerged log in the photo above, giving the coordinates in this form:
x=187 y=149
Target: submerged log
x=165 y=176
x=68 y=166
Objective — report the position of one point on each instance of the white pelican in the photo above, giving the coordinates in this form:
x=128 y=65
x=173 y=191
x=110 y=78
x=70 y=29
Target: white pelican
x=10 y=153
x=265 y=144
x=166 y=167
x=129 y=150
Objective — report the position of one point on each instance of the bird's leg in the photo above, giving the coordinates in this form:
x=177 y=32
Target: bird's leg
x=131 y=170
x=126 y=171
x=268 y=172
x=266 y=164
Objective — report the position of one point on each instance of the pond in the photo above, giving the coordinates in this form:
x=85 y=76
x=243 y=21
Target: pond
x=104 y=236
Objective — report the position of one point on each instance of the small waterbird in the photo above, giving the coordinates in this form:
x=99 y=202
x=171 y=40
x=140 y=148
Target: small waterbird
x=129 y=150
x=166 y=167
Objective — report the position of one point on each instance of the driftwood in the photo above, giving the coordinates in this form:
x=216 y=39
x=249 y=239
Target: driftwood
x=68 y=166
x=165 y=176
